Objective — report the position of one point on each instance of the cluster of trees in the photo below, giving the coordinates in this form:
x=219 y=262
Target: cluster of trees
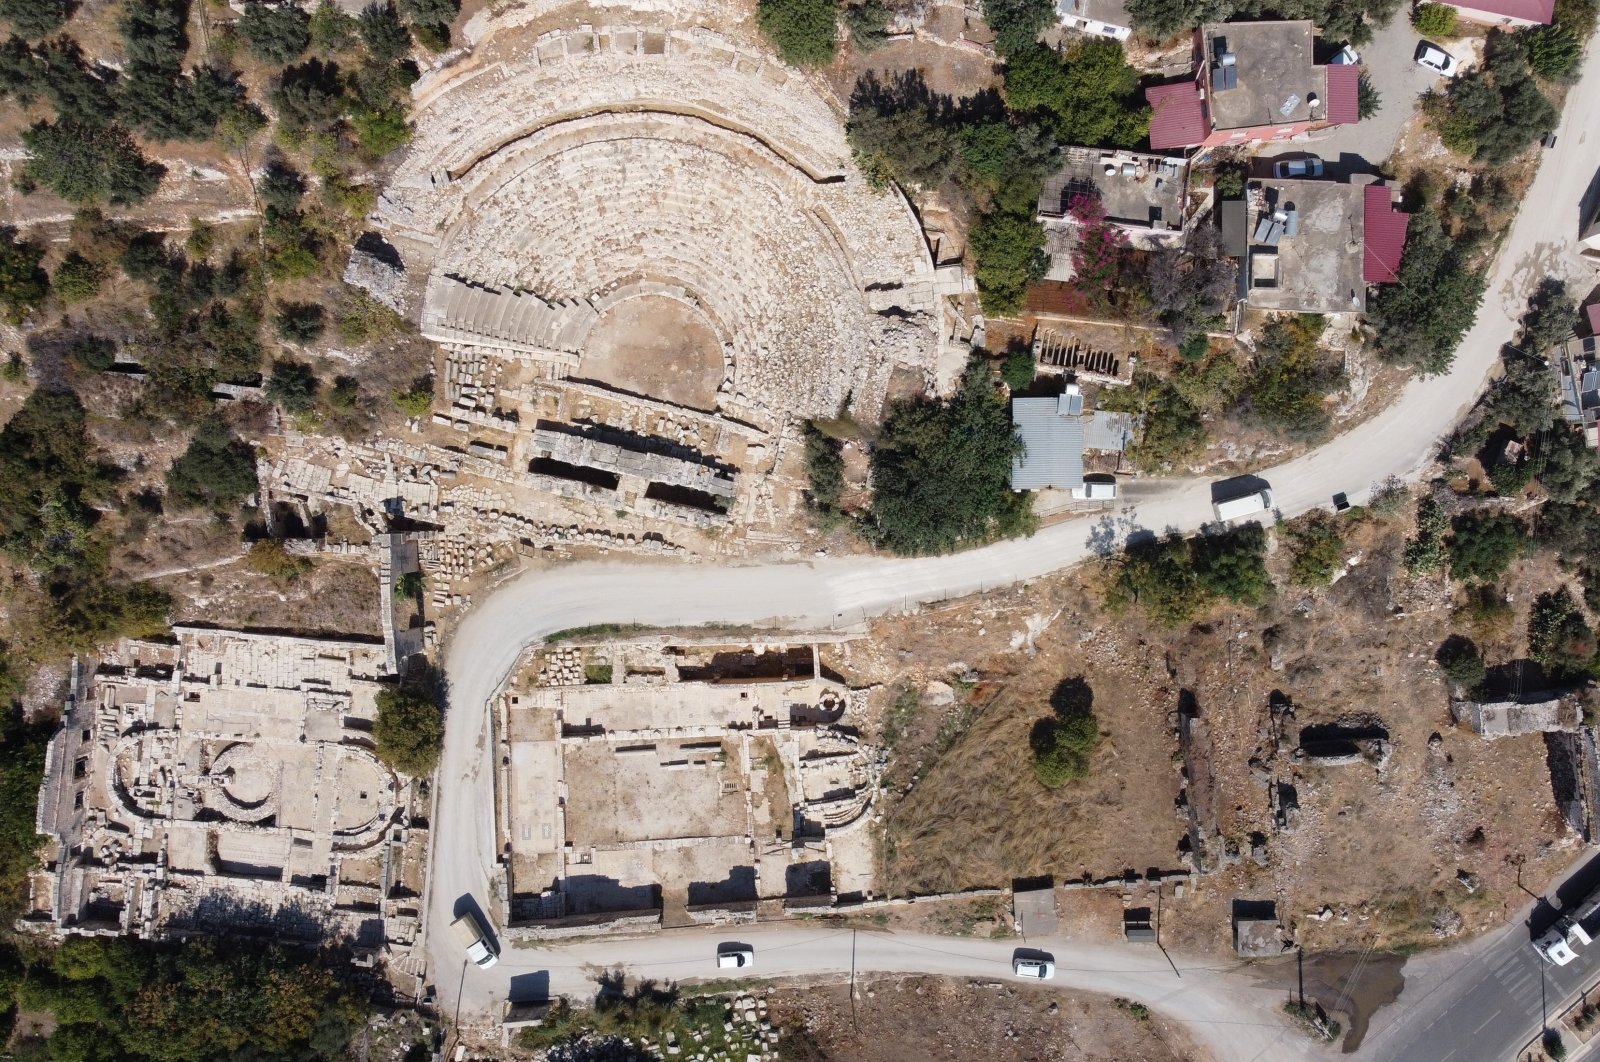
x=22 y=750
x=23 y=285
x=1338 y=20
x=1293 y=377
x=941 y=472
x=1190 y=288
x=1418 y=321
x=1315 y=544
x=997 y=148
x=1496 y=110
x=189 y=1001
x=1063 y=741
x=1174 y=579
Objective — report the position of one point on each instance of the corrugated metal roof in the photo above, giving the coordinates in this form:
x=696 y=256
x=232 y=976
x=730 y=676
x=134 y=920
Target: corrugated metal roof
x=1383 y=235
x=1178 y=116
x=1344 y=94
x=1108 y=431
x=1540 y=11
x=1052 y=453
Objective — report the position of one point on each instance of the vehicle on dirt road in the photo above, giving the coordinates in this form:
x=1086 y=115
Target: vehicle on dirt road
x=1437 y=59
x=735 y=957
x=1033 y=965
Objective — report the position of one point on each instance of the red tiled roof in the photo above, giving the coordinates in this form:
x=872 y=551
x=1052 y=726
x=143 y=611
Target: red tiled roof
x=1591 y=314
x=1540 y=11
x=1344 y=94
x=1178 y=116
x=1384 y=235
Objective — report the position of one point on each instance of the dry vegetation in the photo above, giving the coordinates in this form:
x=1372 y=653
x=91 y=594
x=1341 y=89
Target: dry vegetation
x=967 y=812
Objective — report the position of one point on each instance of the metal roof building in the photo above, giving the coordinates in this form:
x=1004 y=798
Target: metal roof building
x=1052 y=439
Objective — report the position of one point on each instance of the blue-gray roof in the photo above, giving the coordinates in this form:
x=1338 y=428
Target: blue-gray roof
x=1052 y=453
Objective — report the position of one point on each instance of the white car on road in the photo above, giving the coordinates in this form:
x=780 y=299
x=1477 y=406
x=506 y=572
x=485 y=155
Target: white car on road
x=1038 y=968
x=735 y=957
x=1437 y=59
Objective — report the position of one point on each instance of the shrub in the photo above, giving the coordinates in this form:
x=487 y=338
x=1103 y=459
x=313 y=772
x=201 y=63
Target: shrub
x=417 y=402
x=276 y=34
x=216 y=471
x=293 y=385
x=1483 y=544
x=1554 y=52
x=1554 y=1045
x=309 y=96
x=894 y=133
x=345 y=393
x=1434 y=20
x=1462 y=662
x=1316 y=549
x=23 y=285
x=270 y=559
x=331 y=29
x=804 y=32
x=1496 y=109
x=95 y=353
x=409 y=587
x=88 y=164
x=409 y=730
x=431 y=20
x=78 y=279
x=299 y=322
x=381 y=130
x=1292 y=378
x=942 y=472
x=1063 y=742
x=1173 y=579
x=1089 y=94
x=1008 y=253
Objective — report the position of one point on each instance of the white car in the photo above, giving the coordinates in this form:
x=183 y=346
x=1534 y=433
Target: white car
x=1099 y=488
x=1034 y=969
x=735 y=958
x=1311 y=167
x=1437 y=59
x=1347 y=56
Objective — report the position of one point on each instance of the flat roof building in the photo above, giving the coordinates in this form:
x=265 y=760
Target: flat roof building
x=1253 y=82
x=1055 y=432
x=1138 y=191
x=1306 y=249
x=1098 y=18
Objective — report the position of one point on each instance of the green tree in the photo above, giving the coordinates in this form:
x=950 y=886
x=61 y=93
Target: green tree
x=409 y=730
x=95 y=353
x=1434 y=20
x=1418 y=321
x=895 y=135
x=383 y=33
x=868 y=23
x=1018 y=369
x=1462 y=662
x=293 y=385
x=23 y=285
x=22 y=754
x=1496 y=110
x=1063 y=742
x=88 y=164
x=277 y=34
x=1292 y=378
x=281 y=187
x=1559 y=637
x=1554 y=52
x=1008 y=253
x=804 y=32
x=1174 y=425
x=1089 y=93
x=331 y=29
x=49 y=476
x=216 y=471
x=1158 y=576
x=941 y=472
x=35 y=19
x=1160 y=20
x=1316 y=548
x=1233 y=564
x=1017 y=23
x=1483 y=544
x=824 y=472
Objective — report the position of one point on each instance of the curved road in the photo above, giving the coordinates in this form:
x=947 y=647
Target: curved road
x=1399 y=441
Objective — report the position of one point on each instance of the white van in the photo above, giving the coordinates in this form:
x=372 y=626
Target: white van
x=1101 y=488
x=470 y=933
x=1248 y=505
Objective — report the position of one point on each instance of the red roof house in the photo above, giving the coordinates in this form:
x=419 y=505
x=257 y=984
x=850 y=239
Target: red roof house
x=1383 y=235
x=1254 y=82
x=1508 y=12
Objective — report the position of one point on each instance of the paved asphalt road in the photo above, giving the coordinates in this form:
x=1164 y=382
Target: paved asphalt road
x=1400 y=441
x=1487 y=998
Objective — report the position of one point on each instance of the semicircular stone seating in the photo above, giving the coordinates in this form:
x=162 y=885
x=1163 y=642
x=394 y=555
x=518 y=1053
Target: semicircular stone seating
x=541 y=191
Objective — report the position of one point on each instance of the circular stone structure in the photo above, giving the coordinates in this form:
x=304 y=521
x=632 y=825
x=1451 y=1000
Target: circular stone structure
x=672 y=213
x=658 y=346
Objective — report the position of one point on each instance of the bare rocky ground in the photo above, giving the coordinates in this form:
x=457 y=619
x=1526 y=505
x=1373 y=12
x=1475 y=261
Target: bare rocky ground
x=943 y=1018
x=1375 y=857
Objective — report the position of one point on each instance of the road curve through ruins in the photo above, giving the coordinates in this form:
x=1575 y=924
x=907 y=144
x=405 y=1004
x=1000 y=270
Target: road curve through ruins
x=1399 y=441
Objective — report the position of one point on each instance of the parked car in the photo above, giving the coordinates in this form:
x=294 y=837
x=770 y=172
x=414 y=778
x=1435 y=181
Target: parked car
x=1347 y=56
x=1096 y=488
x=1437 y=59
x=735 y=957
x=1035 y=969
x=1307 y=167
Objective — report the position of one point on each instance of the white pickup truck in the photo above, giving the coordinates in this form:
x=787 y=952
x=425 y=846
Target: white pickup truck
x=470 y=933
x=1561 y=942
